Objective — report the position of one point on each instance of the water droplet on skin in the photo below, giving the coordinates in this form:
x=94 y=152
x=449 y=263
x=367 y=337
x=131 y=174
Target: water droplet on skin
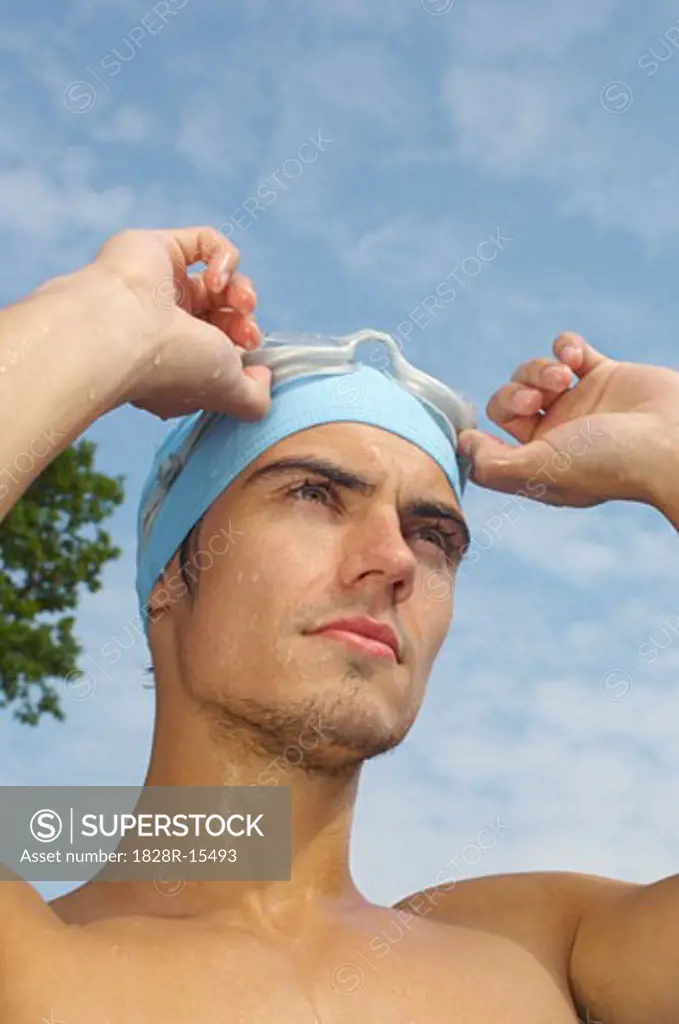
x=218 y=373
x=156 y=360
x=92 y=394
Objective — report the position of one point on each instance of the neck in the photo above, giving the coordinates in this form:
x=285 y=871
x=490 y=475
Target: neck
x=192 y=747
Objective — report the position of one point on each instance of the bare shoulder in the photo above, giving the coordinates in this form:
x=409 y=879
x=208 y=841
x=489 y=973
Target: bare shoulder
x=25 y=917
x=540 y=911
x=29 y=938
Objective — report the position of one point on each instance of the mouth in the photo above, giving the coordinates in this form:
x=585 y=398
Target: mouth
x=375 y=639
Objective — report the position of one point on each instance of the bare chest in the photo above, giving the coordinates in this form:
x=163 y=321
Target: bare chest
x=427 y=975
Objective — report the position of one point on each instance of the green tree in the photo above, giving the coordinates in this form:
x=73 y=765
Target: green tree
x=50 y=543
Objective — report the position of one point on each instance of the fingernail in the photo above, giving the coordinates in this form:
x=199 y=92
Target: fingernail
x=570 y=352
x=554 y=376
x=253 y=339
x=224 y=272
x=523 y=399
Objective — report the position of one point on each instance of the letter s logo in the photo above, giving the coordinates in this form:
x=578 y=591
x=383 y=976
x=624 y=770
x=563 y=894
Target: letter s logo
x=45 y=825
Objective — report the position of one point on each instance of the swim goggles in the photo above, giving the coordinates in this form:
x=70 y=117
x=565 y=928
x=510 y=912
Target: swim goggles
x=290 y=355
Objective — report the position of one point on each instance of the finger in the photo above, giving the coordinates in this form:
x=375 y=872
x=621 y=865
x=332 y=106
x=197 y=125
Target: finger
x=199 y=300
x=500 y=466
x=239 y=294
x=253 y=398
x=247 y=397
x=516 y=409
x=189 y=245
x=548 y=374
x=577 y=353
x=241 y=329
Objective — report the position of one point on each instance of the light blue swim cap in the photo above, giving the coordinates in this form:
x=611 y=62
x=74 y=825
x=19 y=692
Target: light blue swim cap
x=229 y=445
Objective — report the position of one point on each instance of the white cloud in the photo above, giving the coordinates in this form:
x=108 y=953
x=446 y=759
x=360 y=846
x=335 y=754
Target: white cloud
x=527 y=105
x=585 y=547
x=128 y=123
x=527 y=28
x=41 y=207
x=507 y=120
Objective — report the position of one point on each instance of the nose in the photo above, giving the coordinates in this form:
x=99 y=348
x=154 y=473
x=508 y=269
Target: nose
x=375 y=549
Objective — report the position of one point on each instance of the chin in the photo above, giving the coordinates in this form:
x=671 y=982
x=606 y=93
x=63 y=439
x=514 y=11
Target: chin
x=362 y=725
x=327 y=710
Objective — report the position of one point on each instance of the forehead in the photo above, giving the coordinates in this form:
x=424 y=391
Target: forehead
x=378 y=454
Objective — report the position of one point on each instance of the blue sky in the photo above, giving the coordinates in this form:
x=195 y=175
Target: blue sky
x=437 y=125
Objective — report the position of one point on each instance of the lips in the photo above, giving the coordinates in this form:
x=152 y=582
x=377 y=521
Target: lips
x=380 y=632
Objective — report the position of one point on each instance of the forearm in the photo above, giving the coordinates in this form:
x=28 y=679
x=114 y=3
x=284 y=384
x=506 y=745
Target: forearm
x=65 y=359
x=663 y=477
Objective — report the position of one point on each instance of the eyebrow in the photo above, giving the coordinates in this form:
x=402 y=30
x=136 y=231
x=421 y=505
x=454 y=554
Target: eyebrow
x=418 y=507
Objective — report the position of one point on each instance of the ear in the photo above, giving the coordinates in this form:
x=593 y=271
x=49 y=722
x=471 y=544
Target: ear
x=160 y=600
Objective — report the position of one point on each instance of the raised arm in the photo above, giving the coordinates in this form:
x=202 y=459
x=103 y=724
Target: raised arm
x=613 y=435
x=624 y=964
x=132 y=326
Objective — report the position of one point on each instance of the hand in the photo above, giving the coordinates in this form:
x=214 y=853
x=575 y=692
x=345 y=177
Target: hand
x=195 y=325
x=608 y=437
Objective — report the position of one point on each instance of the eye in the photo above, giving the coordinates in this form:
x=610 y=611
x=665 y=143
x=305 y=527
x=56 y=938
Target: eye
x=314 y=489
x=451 y=544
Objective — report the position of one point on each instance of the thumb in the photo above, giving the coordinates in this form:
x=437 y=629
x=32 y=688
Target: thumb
x=578 y=354
x=498 y=465
x=251 y=395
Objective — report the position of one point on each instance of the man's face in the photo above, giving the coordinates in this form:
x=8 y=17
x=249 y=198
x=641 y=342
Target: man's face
x=301 y=550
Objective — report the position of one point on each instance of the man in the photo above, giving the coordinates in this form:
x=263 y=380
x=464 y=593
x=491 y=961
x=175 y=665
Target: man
x=329 y=523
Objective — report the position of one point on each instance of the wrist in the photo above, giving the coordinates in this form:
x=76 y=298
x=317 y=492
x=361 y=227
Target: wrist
x=661 y=489
x=110 y=330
